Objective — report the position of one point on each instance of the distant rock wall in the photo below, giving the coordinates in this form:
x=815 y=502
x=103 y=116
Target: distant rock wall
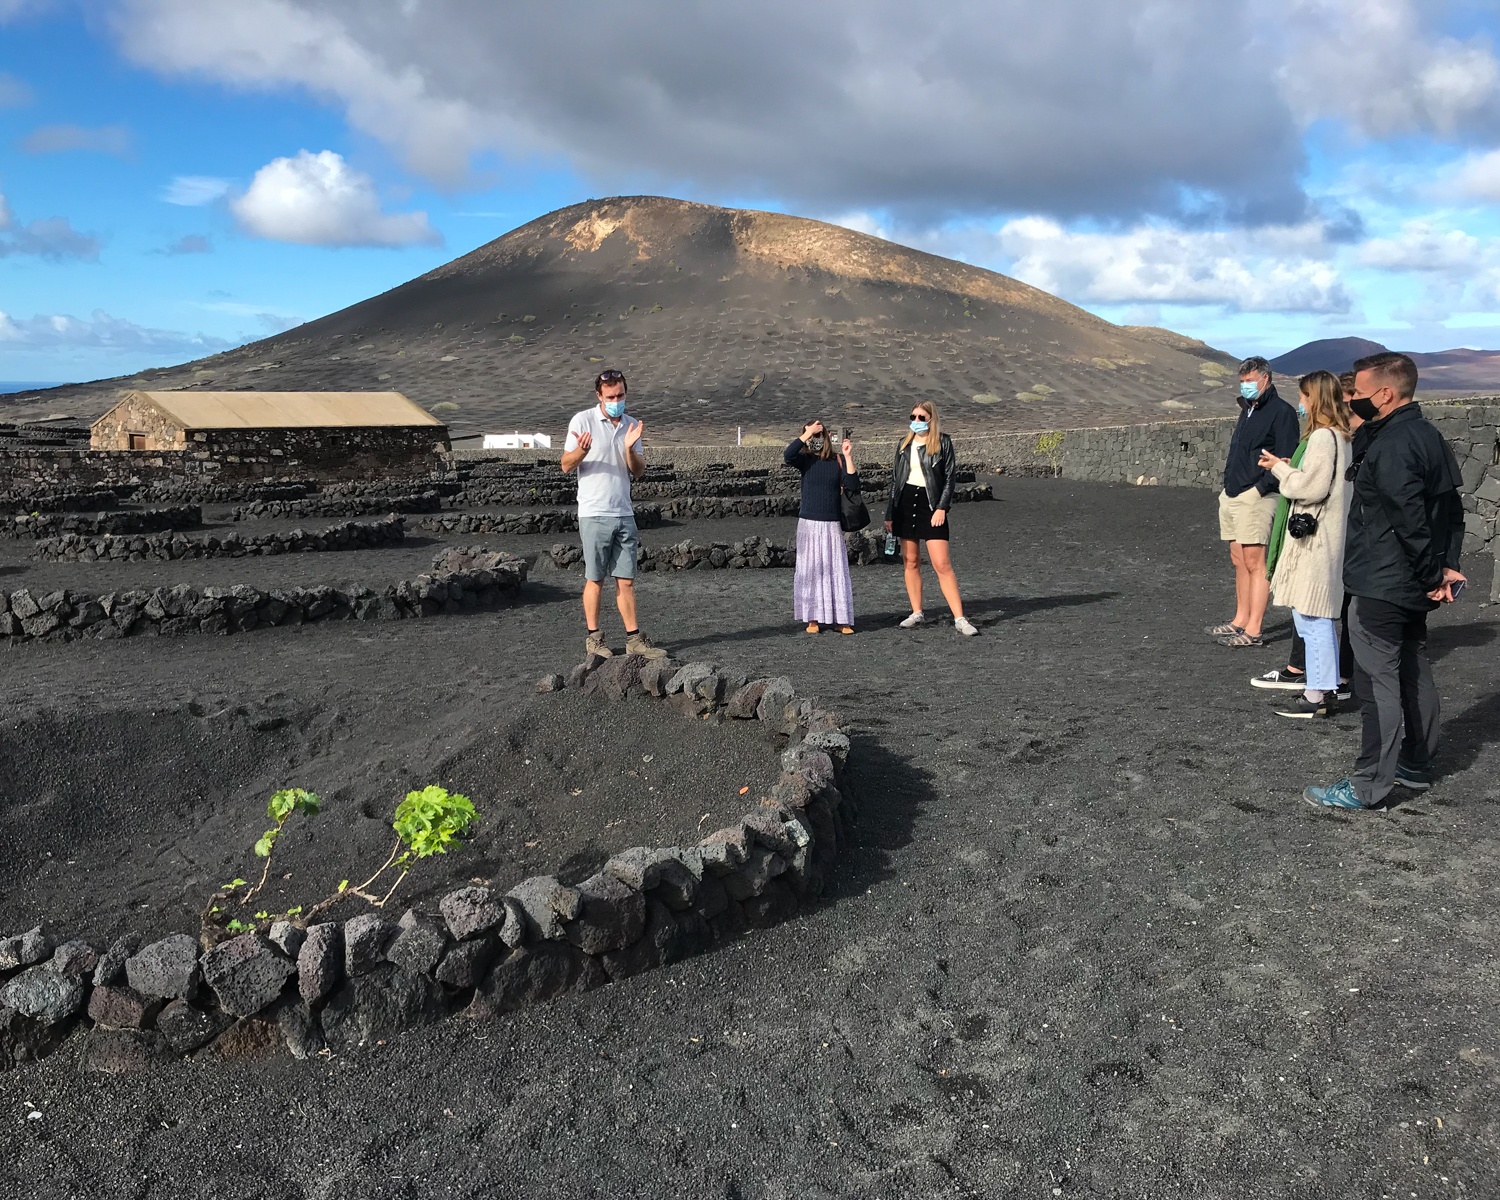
x=170 y=547
x=149 y=520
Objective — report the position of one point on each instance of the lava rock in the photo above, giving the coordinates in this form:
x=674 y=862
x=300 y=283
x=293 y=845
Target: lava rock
x=833 y=743
x=75 y=958
x=287 y=938
x=187 y=1029
x=676 y=886
x=687 y=678
x=246 y=973
x=774 y=699
x=377 y=1004
x=742 y=704
x=530 y=976
x=25 y=949
x=300 y=1030
x=638 y=868
x=551 y=683
x=750 y=880
x=419 y=945
x=121 y=1051
x=547 y=906
x=613 y=915
x=776 y=903
x=248 y=1040
x=167 y=968
x=465 y=964
x=44 y=995
x=365 y=939
x=471 y=910
x=320 y=962
x=657 y=946
x=656 y=674
x=116 y=1007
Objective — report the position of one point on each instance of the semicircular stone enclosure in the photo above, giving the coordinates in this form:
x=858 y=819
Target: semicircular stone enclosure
x=358 y=973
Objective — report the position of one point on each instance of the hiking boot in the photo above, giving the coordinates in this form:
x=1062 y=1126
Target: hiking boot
x=965 y=626
x=594 y=646
x=1303 y=709
x=639 y=643
x=914 y=620
x=1282 y=680
x=1413 y=779
x=1338 y=795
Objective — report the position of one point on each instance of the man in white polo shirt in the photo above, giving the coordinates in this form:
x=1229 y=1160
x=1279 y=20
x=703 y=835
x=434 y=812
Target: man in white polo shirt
x=604 y=446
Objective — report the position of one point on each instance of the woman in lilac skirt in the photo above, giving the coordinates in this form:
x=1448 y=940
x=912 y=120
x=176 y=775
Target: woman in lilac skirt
x=823 y=593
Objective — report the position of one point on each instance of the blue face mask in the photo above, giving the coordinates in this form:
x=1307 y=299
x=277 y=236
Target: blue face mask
x=1302 y=411
x=614 y=409
x=1249 y=390
x=918 y=427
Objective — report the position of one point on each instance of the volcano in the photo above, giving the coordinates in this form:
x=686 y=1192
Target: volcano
x=720 y=318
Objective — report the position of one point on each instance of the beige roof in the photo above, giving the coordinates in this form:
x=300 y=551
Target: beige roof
x=283 y=410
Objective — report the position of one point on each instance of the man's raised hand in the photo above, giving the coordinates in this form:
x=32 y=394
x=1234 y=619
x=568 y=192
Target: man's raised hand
x=584 y=441
x=633 y=434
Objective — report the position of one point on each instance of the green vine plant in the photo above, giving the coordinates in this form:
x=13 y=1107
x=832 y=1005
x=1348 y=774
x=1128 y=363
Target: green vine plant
x=427 y=822
x=280 y=808
x=1050 y=447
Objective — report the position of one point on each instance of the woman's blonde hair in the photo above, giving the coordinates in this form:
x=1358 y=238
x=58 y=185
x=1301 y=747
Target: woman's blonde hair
x=1323 y=397
x=934 y=435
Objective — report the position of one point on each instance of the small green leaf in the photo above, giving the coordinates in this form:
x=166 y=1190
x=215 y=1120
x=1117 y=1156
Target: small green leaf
x=267 y=841
x=238 y=926
x=295 y=910
x=262 y=915
x=343 y=884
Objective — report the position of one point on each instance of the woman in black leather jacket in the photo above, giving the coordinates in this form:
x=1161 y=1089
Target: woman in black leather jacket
x=917 y=512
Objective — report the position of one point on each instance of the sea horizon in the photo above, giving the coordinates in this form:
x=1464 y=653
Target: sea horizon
x=27 y=385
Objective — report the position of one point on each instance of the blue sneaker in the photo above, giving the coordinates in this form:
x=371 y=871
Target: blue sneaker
x=1338 y=795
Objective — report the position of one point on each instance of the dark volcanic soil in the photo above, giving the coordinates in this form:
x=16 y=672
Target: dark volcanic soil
x=1091 y=943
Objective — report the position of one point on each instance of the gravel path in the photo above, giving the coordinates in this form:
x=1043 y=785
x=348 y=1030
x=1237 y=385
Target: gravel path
x=1091 y=943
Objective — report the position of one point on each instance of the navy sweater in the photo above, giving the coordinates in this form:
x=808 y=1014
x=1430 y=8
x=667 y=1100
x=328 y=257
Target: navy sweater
x=1266 y=423
x=821 y=480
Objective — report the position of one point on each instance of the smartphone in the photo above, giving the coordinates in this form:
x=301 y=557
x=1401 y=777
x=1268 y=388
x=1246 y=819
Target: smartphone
x=847 y=434
x=1457 y=588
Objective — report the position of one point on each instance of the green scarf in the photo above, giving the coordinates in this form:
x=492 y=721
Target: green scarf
x=1278 y=523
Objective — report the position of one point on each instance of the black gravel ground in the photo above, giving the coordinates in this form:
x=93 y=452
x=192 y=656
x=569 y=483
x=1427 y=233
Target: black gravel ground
x=1091 y=943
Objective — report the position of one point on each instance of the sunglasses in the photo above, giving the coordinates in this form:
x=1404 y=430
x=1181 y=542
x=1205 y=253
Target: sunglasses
x=610 y=376
x=919 y=416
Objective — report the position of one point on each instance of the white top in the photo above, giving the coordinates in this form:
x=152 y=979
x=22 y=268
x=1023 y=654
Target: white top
x=914 y=475
x=604 y=473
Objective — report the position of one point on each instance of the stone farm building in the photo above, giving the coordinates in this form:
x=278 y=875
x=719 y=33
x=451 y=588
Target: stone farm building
x=337 y=434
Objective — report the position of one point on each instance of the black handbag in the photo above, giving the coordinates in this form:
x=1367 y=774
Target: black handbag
x=853 y=515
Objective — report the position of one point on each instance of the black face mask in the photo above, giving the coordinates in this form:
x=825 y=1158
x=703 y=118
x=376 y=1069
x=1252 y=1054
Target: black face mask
x=1364 y=408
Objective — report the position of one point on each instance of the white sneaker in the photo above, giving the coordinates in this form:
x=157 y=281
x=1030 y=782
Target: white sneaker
x=963 y=625
x=914 y=620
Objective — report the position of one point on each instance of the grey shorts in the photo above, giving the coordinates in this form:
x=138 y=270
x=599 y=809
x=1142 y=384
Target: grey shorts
x=610 y=545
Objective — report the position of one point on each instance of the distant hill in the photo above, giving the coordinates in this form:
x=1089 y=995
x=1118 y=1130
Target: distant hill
x=1443 y=372
x=720 y=318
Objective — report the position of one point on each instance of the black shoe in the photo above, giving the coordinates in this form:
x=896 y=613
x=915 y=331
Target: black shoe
x=1303 y=709
x=1413 y=779
x=1345 y=692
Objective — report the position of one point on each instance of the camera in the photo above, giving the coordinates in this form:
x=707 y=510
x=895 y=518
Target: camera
x=1301 y=525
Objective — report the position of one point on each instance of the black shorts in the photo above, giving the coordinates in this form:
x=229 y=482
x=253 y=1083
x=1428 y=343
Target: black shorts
x=914 y=517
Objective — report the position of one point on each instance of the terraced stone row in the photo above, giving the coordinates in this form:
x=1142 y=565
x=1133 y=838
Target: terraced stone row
x=161 y=547
x=341 y=985
x=429 y=501
x=150 y=520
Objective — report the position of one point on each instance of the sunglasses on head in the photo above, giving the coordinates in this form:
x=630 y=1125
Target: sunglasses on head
x=610 y=376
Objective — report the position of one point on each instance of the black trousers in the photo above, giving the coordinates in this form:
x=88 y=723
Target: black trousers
x=1394 y=686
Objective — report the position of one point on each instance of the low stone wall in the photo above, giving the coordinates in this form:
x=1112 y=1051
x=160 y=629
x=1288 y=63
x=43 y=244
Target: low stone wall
x=97 y=500
x=150 y=520
x=556 y=520
x=157 y=547
x=755 y=552
x=220 y=493
x=347 y=984
x=339 y=506
x=67 y=616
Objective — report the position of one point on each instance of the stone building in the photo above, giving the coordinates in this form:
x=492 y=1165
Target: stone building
x=322 y=434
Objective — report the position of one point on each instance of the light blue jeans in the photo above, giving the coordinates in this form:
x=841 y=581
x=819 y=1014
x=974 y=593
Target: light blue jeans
x=1322 y=639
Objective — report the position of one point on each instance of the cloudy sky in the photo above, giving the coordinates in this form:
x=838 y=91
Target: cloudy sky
x=177 y=176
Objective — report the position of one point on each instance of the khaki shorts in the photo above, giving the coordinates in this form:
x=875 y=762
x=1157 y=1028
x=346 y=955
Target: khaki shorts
x=1246 y=518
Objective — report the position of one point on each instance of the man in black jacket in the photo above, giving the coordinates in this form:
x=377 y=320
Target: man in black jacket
x=1401 y=557
x=1247 y=505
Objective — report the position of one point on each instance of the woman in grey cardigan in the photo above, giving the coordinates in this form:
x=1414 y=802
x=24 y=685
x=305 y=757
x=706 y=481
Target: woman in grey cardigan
x=1310 y=566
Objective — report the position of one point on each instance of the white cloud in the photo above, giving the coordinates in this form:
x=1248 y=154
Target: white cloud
x=1380 y=66
x=190 y=191
x=58 y=139
x=1275 y=269
x=52 y=238
x=319 y=200
x=102 y=331
x=14 y=93
x=1421 y=245
x=1477 y=177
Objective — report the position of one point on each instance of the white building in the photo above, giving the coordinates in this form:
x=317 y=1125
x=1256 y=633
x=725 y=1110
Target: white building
x=517 y=441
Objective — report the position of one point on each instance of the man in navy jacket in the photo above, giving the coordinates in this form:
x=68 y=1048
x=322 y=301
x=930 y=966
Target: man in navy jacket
x=1247 y=505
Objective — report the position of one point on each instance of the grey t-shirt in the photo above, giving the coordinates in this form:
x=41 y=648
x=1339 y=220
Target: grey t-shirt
x=604 y=473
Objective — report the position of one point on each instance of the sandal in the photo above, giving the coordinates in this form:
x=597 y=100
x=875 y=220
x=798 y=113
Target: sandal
x=812 y=627
x=846 y=629
x=1228 y=629
x=1242 y=639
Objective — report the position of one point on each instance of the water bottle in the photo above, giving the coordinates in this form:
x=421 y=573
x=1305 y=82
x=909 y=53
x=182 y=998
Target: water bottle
x=891 y=545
